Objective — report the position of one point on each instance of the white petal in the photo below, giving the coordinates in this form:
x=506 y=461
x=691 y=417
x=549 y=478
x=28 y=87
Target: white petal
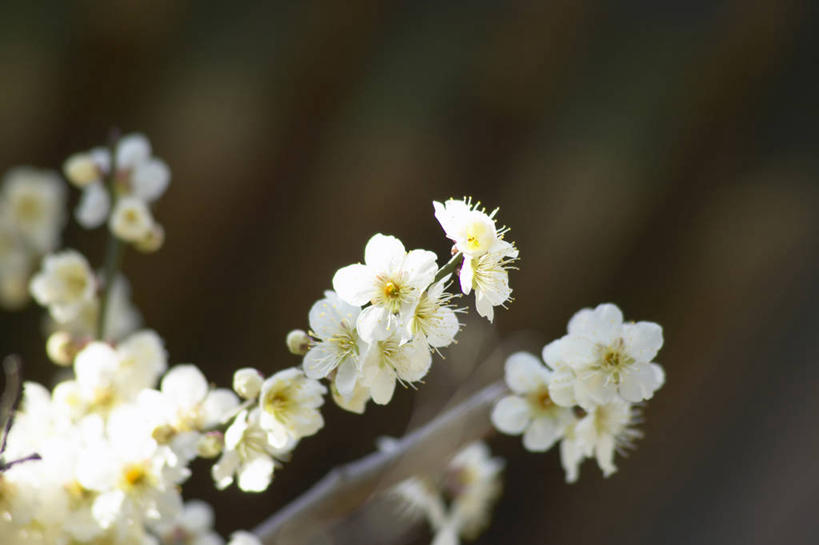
x=524 y=372
x=132 y=150
x=93 y=207
x=466 y=275
x=422 y=266
x=575 y=351
x=604 y=452
x=355 y=284
x=593 y=388
x=643 y=340
x=570 y=458
x=346 y=377
x=639 y=383
x=604 y=324
x=186 y=384
x=382 y=386
x=255 y=476
x=223 y=470
x=384 y=253
x=447 y=327
x=511 y=415
x=413 y=362
x=484 y=306
x=150 y=179
x=541 y=435
x=320 y=360
x=218 y=405
x=562 y=386
x=373 y=324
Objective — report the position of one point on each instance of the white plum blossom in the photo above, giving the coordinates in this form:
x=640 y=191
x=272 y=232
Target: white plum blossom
x=434 y=318
x=248 y=455
x=64 y=284
x=488 y=275
x=138 y=175
x=355 y=402
x=332 y=321
x=32 y=200
x=601 y=359
x=391 y=280
x=131 y=219
x=389 y=361
x=289 y=403
x=530 y=410
x=605 y=429
x=247 y=382
x=472 y=230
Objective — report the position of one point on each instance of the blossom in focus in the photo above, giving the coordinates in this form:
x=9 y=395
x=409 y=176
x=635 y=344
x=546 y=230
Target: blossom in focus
x=248 y=455
x=601 y=359
x=488 y=275
x=333 y=321
x=289 y=403
x=472 y=230
x=64 y=284
x=391 y=280
x=605 y=429
x=389 y=360
x=530 y=410
x=434 y=318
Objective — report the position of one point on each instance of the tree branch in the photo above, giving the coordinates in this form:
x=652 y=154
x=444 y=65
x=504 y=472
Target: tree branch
x=346 y=487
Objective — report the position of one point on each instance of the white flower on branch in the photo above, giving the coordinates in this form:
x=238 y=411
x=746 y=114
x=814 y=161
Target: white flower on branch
x=391 y=280
x=248 y=455
x=472 y=230
x=139 y=175
x=333 y=321
x=434 y=318
x=604 y=430
x=289 y=403
x=389 y=360
x=601 y=359
x=488 y=275
x=530 y=410
x=64 y=284
x=131 y=220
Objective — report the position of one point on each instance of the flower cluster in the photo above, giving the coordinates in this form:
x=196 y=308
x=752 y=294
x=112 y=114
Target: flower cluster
x=127 y=178
x=585 y=395
x=32 y=204
x=458 y=500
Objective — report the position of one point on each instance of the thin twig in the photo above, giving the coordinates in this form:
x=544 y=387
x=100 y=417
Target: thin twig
x=11 y=397
x=345 y=488
x=113 y=248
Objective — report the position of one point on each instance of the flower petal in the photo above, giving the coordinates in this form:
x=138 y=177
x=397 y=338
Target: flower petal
x=643 y=340
x=384 y=253
x=511 y=415
x=354 y=284
x=524 y=372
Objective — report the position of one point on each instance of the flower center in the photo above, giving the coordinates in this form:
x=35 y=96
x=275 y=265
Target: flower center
x=391 y=290
x=134 y=475
x=615 y=360
x=541 y=400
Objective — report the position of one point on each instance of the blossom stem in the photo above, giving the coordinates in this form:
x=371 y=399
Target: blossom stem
x=346 y=487
x=450 y=267
x=113 y=248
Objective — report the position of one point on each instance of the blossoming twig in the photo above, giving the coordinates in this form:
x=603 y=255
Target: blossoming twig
x=346 y=487
x=113 y=248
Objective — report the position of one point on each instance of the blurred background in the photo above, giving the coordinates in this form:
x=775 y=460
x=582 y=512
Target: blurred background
x=662 y=156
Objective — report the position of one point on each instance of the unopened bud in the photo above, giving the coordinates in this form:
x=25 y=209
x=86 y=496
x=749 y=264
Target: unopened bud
x=152 y=241
x=298 y=342
x=163 y=434
x=210 y=445
x=81 y=170
x=60 y=348
x=247 y=382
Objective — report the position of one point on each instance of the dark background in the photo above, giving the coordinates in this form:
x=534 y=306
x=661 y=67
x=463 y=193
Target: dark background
x=658 y=155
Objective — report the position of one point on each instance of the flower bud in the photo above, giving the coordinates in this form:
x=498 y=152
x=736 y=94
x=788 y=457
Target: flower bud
x=298 y=342
x=210 y=445
x=152 y=241
x=163 y=434
x=81 y=170
x=247 y=382
x=131 y=219
x=60 y=348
